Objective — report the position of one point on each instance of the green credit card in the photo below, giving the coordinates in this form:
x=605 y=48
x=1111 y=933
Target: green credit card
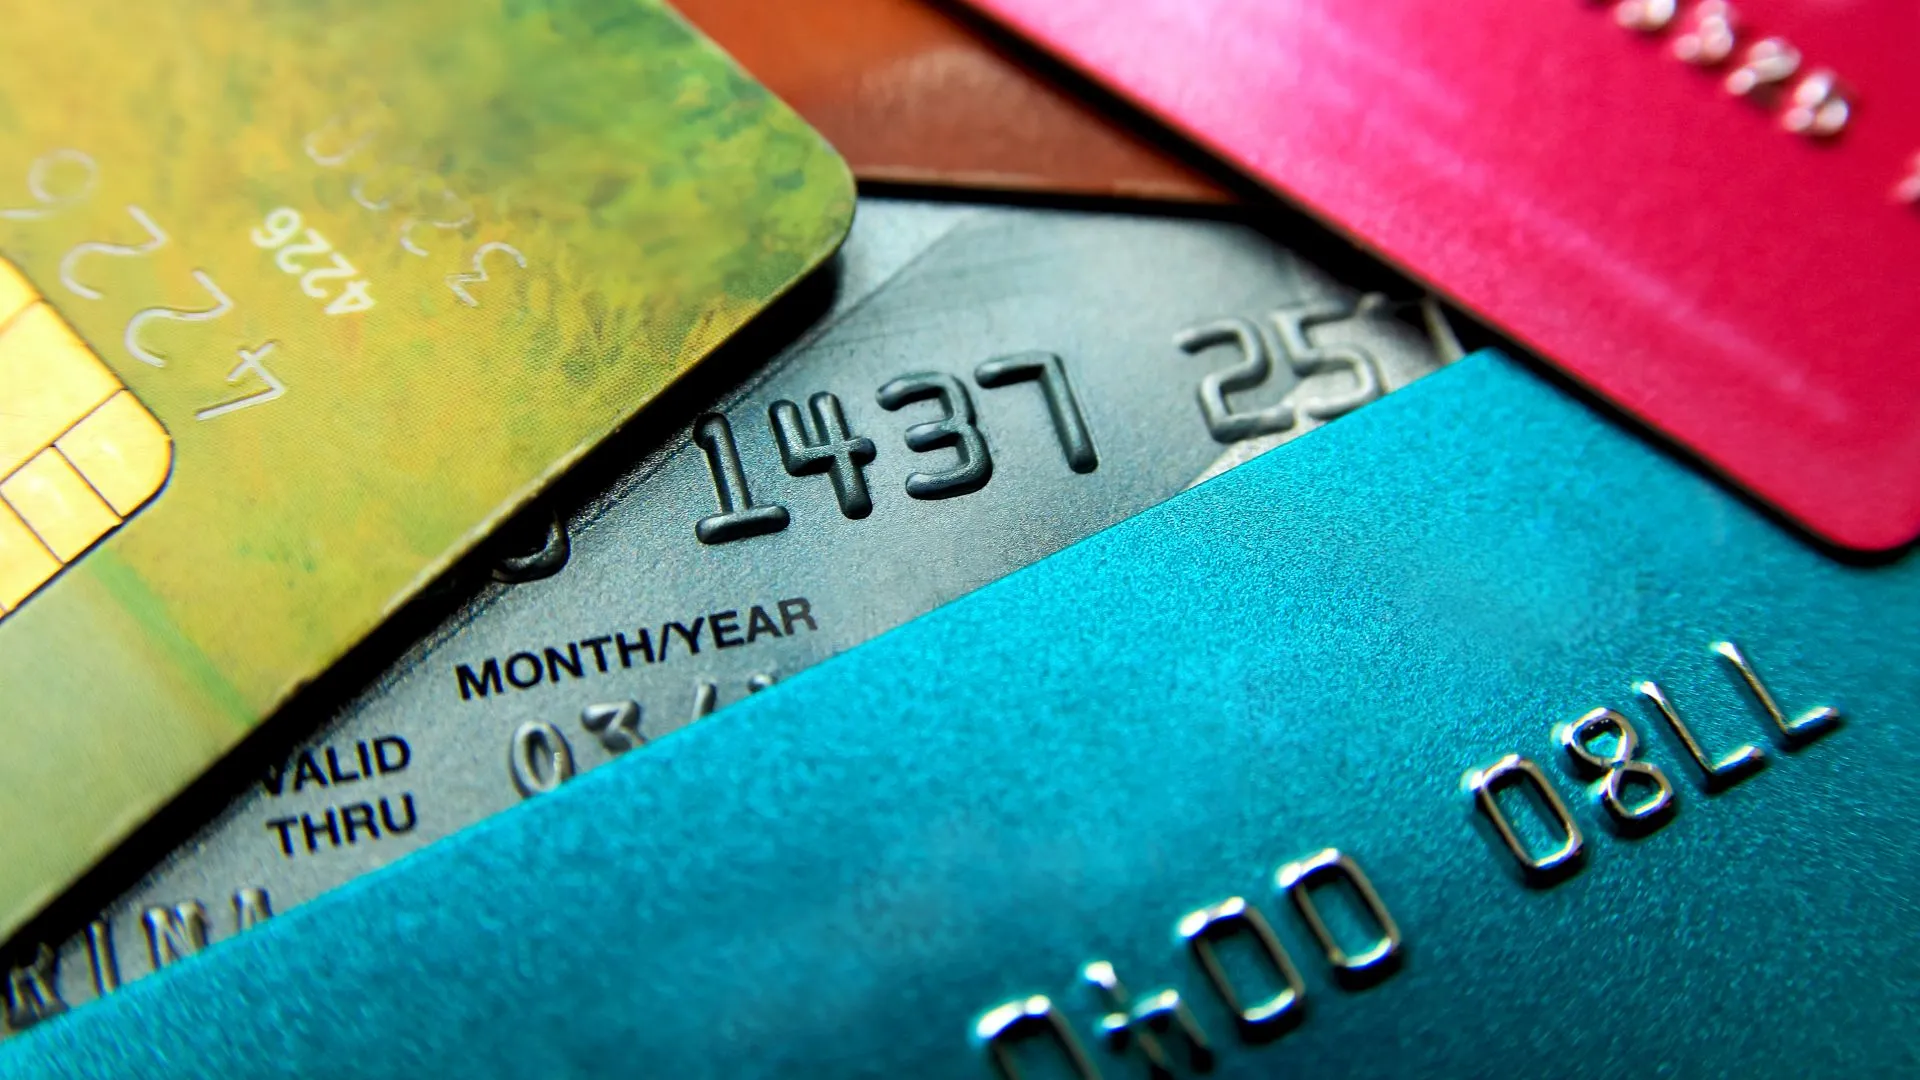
x=297 y=300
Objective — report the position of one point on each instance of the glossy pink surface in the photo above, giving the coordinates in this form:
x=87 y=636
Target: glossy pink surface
x=1747 y=290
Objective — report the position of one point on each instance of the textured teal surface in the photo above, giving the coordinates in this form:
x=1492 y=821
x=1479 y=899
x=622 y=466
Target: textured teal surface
x=837 y=876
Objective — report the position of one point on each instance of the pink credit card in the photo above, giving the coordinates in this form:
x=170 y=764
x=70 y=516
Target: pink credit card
x=1707 y=211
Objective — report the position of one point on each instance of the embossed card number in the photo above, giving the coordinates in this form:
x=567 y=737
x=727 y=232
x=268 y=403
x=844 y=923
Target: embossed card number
x=384 y=182
x=65 y=178
x=1264 y=992
x=1818 y=105
x=819 y=441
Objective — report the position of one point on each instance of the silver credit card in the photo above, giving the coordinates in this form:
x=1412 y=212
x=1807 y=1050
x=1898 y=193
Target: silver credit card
x=988 y=386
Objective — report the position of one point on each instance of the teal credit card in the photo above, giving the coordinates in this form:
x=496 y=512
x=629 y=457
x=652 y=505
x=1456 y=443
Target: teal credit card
x=1471 y=734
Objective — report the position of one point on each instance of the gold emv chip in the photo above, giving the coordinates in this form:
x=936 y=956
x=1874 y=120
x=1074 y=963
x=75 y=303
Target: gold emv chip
x=78 y=452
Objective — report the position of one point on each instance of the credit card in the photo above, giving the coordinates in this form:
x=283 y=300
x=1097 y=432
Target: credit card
x=909 y=93
x=989 y=386
x=1469 y=734
x=299 y=301
x=1703 y=209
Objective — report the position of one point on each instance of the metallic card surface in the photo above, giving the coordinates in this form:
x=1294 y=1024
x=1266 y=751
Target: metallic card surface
x=1241 y=731
x=1735 y=268
x=664 y=607
x=351 y=282
x=909 y=93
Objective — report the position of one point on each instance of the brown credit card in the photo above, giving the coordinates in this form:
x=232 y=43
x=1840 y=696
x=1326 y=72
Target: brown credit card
x=909 y=93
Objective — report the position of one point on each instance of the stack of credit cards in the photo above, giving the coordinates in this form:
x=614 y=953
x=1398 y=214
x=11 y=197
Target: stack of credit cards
x=407 y=413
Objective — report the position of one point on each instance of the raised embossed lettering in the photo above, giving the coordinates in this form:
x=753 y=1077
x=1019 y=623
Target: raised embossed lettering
x=1813 y=723
x=738 y=518
x=1819 y=107
x=829 y=448
x=251 y=907
x=1730 y=768
x=1614 y=768
x=1256 y=364
x=33 y=991
x=1710 y=35
x=1002 y=1029
x=103 y=957
x=1206 y=929
x=1329 y=868
x=174 y=931
x=1293 y=325
x=1147 y=1023
x=616 y=724
x=1513 y=770
x=539 y=758
x=954 y=429
x=1908 y=189
x=534 y=562
x=1069 y=425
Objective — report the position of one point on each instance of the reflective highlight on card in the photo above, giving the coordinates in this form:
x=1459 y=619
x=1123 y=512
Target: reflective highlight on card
x=1704 y=209
x=295 y=303
x=1467 y=717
